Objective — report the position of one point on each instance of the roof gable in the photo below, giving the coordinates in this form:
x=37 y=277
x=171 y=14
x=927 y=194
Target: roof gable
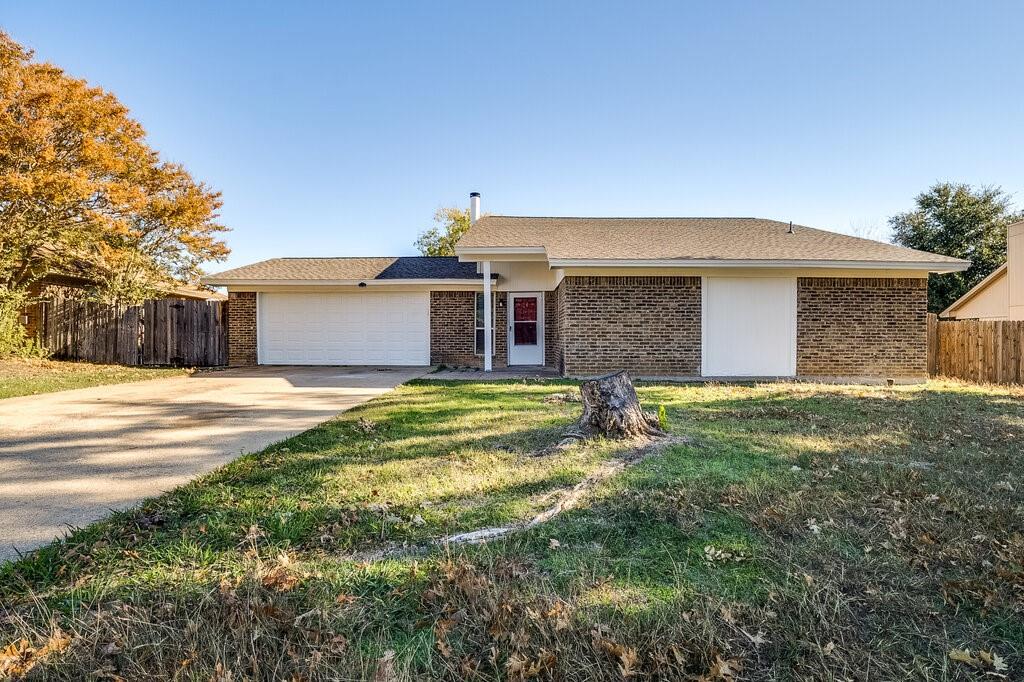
x=981 y=287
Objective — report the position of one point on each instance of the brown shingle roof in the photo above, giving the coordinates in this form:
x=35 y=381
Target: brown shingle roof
x=196 y=293
x=683 y=239
x=312 y=269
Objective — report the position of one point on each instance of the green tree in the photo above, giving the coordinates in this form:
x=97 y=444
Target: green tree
x=80 y=188
x=440 y=240
x=963 y=222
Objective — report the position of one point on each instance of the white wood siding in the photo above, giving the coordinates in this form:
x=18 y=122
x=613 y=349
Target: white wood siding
x=748 y=326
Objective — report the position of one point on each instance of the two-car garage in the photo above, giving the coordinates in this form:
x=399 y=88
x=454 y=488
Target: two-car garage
x=358 y=328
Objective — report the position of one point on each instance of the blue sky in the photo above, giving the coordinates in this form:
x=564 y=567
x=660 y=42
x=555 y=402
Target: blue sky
x=338 y=129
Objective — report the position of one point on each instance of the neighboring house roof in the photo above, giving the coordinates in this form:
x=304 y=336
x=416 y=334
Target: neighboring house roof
x=977 y=290
x=193 y=293
x=578 y=241
x=401 y=268
x=170 y=291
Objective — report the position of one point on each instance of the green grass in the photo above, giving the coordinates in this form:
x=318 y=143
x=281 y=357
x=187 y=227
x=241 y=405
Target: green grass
x=28 y=376
x=803 y=532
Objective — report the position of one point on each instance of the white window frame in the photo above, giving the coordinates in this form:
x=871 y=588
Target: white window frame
x=478 y=323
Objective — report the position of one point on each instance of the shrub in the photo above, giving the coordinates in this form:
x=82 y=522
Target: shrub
x=13 y=340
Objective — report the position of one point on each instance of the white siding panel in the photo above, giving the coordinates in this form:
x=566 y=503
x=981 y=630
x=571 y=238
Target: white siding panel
x=344 y=329
x=748 y=326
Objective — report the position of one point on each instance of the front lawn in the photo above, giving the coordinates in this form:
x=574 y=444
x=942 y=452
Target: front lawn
x=803 y=532
x=28 y=377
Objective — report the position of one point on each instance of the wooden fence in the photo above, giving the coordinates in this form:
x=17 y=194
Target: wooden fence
x=177 y=332
x=976 y=350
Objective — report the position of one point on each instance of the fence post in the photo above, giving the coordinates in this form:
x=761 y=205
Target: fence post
x=933 y=344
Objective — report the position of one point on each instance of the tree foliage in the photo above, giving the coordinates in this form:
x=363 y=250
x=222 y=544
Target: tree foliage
x=440 y=240
x=81 y=191
x=963 y=222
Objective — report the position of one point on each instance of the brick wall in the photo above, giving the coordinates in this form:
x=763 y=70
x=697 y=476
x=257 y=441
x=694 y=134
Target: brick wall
x=556 y=356
x=453 y=329
x=860 y=327
x=242 y=329
x=550 y=328
x=647 y=325
x=650 y=326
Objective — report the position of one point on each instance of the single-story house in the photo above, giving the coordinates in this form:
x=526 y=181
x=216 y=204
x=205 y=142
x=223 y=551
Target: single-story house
x=660 y=297
x=1000 y=296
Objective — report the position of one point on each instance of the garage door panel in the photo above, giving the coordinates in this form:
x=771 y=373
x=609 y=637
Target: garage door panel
x=749 y=326
x=344 y=329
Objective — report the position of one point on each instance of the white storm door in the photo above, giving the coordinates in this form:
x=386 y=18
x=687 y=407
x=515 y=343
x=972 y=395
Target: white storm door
x=362 y=328
x=748 y=326
x=526 y=329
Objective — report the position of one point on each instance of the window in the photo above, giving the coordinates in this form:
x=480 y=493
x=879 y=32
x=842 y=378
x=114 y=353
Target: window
x=480 y=324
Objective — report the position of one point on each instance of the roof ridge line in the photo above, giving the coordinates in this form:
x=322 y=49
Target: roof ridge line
x=349 y=257
x=628 y=217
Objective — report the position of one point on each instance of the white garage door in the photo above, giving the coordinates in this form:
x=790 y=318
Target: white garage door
x=344 y=329
x=748 y=326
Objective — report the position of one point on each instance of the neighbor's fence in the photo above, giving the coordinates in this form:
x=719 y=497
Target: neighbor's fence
x=178 y=332
x=976 y=350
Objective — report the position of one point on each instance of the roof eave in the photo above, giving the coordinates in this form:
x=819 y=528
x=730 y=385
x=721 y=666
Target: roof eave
x=475 y=254
x=928 y=266
x=216 y=282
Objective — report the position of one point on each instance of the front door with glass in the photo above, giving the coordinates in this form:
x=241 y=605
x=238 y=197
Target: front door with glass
x=526 y=329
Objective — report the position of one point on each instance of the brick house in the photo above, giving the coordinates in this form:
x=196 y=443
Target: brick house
x=660 y=297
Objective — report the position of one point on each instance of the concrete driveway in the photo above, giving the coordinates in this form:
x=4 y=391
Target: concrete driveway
x=68 y=458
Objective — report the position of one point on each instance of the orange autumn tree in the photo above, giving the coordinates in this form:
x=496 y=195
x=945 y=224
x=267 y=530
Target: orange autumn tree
x=81 y=190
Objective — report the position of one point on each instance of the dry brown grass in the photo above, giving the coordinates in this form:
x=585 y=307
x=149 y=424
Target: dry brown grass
x=29 y=376
x=807 y=533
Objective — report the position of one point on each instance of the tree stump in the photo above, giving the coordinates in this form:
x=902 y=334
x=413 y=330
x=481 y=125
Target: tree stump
x=611 y=409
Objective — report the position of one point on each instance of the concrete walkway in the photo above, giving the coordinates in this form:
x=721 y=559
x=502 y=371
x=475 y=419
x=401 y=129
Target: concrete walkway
x=505 y=373
x=68 y=458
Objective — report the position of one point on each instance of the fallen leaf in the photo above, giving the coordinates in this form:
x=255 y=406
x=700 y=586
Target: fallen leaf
x=757 y=640
x=17 y=658
x=723 y=669
x=965 y=656
x=386 y=667
x=554 y=544
x=280 y=579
